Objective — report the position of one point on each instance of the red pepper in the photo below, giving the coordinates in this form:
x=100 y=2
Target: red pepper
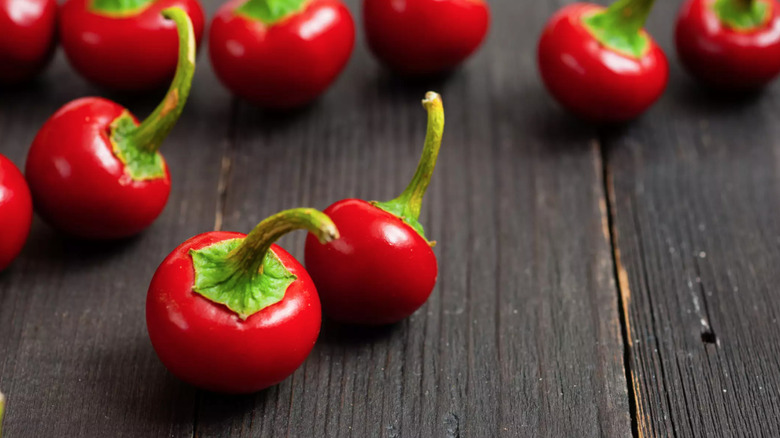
x=15 y=212
x=280 y=54
x=234 y=313
x=382 y=268
x=27 y=30
x=730 y=44
x=94 y=171
x=424 y=37
x=600 y=63
x=124 y=44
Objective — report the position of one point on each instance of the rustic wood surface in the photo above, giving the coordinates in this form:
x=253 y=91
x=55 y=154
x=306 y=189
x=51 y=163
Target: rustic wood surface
x=593 y=281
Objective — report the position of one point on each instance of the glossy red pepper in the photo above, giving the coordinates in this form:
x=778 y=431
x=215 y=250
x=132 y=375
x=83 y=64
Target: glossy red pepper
x=730 y=44
x=382 y=268
x=235 y=313
x=27 y=37
x=424 y=37
x=94 y=171
x=599 y=63
x=15 y=212
x=124 y=44
x=280 y=54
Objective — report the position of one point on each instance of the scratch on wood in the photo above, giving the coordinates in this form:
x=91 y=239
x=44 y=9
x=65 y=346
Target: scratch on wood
x=224 y=175
x=599 y=165
x=227 y=164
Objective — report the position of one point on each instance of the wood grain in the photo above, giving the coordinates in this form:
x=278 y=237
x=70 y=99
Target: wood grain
x=695 y=186
x=75 y=357
x=521 y=337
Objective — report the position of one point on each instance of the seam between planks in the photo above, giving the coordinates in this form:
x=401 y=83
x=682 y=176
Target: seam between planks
x=623 y=290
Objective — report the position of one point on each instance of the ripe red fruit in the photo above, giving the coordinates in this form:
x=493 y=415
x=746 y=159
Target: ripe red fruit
x=124 y=44
x=234 y=313
x=382 y=268
x=600 y=63
x=27 y=37
x=94 y=171
x=730 y=44
x=15 y=212
x=424 y=37
x=283 y=56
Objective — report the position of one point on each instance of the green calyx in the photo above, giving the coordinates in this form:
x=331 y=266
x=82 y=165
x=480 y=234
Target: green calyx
x=270 y=11
x=244 y=274
x=742 y=15
x=619 y=27
x=118 y=8
x=137 y=145
x=408 y=205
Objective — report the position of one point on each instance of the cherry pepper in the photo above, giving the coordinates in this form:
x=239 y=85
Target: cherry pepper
x=15 y=212
x=27 y=37
x=124 y=44
x=383 y=268
x=730 y=44
x=94 y=171
x=234 y=313
x=425 y=37
x=600 y=63
x=280 y=53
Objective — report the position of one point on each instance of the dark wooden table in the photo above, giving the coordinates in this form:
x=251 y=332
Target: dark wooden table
x=593 y=281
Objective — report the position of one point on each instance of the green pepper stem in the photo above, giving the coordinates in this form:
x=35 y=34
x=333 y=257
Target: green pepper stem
x=2 y=411
x=249 y=255
x=270 y=11
x=150 y=134
x=744 y=15
x=626 y=16
x=118 y=7
x=412 y=196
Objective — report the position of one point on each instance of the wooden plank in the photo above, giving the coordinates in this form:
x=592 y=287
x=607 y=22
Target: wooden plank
x=75 y=357
x=522 y=335
x=694 y=189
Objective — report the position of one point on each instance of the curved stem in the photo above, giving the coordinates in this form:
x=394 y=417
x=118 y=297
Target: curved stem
x=2 y=411
x=412 y=196
x=150 y=134
x=249 y=255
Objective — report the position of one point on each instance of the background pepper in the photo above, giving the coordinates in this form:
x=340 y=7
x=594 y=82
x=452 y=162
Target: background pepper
x=600 y=63
x=730 y=44
x=27 y=38
x=124 y=45
x=280 y=53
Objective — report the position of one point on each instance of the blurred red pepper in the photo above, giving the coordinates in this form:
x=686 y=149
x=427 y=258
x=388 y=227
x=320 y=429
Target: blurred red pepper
x=600 y=63
x=27 y=37
x=124 y=44
x=730 y=44
x=280 y=54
